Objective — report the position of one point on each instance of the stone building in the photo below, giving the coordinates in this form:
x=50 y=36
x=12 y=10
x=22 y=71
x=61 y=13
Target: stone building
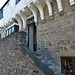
x=46 y=28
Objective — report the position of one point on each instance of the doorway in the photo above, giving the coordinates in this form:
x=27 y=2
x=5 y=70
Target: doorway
x=32 y=43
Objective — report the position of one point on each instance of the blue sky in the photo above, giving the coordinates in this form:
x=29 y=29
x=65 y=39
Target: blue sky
x=2 y=2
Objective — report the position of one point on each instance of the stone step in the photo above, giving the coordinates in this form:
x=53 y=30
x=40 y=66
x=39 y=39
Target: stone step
x=48 y=63
x=38 y=54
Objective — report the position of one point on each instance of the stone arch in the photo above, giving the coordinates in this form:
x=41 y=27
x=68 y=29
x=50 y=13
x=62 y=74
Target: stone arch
x=34 y=10
x=23 y=18
x=19 y=20
x=40 y=5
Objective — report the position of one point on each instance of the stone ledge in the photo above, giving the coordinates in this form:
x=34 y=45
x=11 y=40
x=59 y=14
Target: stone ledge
x=66 y=54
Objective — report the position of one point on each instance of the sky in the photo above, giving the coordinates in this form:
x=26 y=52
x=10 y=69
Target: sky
x=2 y=3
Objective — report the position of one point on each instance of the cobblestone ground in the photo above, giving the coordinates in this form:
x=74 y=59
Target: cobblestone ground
x=14 y=62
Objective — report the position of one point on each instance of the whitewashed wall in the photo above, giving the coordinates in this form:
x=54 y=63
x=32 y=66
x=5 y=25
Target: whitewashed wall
x=11 y=9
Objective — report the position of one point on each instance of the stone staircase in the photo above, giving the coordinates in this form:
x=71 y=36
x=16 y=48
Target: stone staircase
x=48 y=60
x=42 y=58
x=38 y=59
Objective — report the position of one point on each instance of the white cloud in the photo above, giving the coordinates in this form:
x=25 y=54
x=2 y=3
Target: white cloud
x=2 y=2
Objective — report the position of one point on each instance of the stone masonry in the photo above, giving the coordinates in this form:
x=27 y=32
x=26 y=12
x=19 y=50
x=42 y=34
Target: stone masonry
x=56 y=37
x=12 y=60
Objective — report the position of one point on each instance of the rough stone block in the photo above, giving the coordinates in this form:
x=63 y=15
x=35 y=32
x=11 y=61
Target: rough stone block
x=65 y=48
x=43 y=43
x=73 y=46
x=73 y=7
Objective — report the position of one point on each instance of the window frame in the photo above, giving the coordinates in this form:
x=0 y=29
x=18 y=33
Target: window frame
x=1 y=14
x=31 y=20
x=12 y=29
x=16 y=29
x=7 y=32
x=17 y=1
x=73 y=63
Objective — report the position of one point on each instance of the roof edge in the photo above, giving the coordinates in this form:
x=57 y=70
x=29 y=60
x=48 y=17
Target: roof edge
x=4 y=5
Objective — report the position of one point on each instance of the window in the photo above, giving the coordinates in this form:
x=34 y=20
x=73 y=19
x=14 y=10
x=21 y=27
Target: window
x=9 y=31
x=12 y=29
x=1 y=14
x=17 y=1
x=68 y=65
x=31 y=20
x=6 y=32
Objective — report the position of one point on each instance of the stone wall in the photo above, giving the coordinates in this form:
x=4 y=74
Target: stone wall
x=0 y=41
x=56 y=36
x=12 y=60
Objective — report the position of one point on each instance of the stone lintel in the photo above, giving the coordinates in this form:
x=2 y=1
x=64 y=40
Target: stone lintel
x=66 y=54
